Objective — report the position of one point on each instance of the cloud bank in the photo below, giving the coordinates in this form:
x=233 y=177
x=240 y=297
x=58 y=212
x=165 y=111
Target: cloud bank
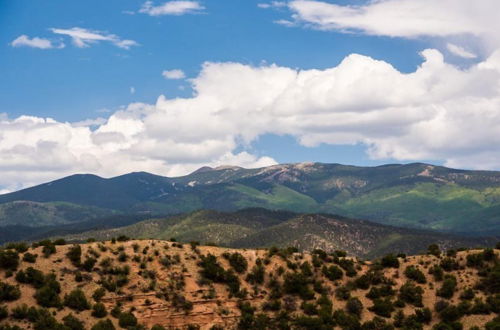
x=437 y=112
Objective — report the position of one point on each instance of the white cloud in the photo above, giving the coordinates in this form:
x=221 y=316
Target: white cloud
x=460 y=51
x=84 y=37
x=437 y=112
x=171 y=8
x=132 y=90
x=465 y=19
x=285 y=22
x=402 y=18
x=35 y=42
x=272 y=4
x=173 y=74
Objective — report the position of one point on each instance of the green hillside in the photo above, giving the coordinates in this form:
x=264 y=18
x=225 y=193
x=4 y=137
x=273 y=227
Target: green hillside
x=34 y=214
x=413 y=195
x=258 y=228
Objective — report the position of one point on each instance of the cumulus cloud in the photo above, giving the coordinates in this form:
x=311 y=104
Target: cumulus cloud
x=173 y=74
x=84 y=37
x=439 y=112
x=35 y=42
x=171 y=8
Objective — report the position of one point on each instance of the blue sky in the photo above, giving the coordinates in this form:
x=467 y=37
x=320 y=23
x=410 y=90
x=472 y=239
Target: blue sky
x=72 y=84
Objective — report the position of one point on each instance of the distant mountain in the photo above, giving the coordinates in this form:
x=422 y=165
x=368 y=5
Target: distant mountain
x=413 y=195
x=259 y=228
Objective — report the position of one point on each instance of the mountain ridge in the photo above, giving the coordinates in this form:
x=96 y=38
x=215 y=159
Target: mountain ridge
x=415 y=195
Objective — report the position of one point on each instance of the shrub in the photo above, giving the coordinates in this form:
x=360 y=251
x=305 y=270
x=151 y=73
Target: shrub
x=159 y=327
x=333 y=273
x=346 y=321
x=342 y=293
x=74 y=254
x=9 y=259
x=20 y=312
x=29 y=257
x=46 y=321
x=307 y=322
x=415 y=274
x=99 y=310
x=19 y=247
x=104 y=325
x=4 y=313
x=9 y=292
x=423 y=315
x=232 y=281
x=76 y=300
x=448 y=288
x=449 y=264
x=382 y=307
x=211 y=269
x=467 y=294
x=450 y=314
x=48 y=294
x=390 y=261
x=297 y=283
x=31 y=276
x=491 y=282
x=363 y=282
x=256 y=276
x=98 y=294
x=411 y=293
x=89 y=264
x=433 y=249
x=72 y=322
x=475 y=260
x=238 y=262
x=380 y=291
x=437 y=272
x=377 y=324
x=493 y=324
x=354 y=306
x=122 y=238
x=127 y=320
x=48 y=249
x=309 y=308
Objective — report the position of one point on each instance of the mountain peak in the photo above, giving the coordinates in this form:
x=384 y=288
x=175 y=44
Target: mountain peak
x=228 y=167
x=203 y=170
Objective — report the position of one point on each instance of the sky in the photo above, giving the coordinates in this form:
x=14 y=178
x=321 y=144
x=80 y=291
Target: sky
x=115 y=86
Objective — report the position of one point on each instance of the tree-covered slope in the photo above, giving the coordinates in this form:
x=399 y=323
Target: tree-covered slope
x=413 y=195
x=35 y=214
x=258 y=228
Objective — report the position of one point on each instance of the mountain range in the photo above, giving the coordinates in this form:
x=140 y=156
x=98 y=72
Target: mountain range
x=419 y=196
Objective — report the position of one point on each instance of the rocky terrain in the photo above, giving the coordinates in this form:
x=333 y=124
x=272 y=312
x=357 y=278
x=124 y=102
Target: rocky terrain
x=156 y=284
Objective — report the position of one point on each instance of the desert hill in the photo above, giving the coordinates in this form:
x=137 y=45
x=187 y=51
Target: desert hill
x=155 y=284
